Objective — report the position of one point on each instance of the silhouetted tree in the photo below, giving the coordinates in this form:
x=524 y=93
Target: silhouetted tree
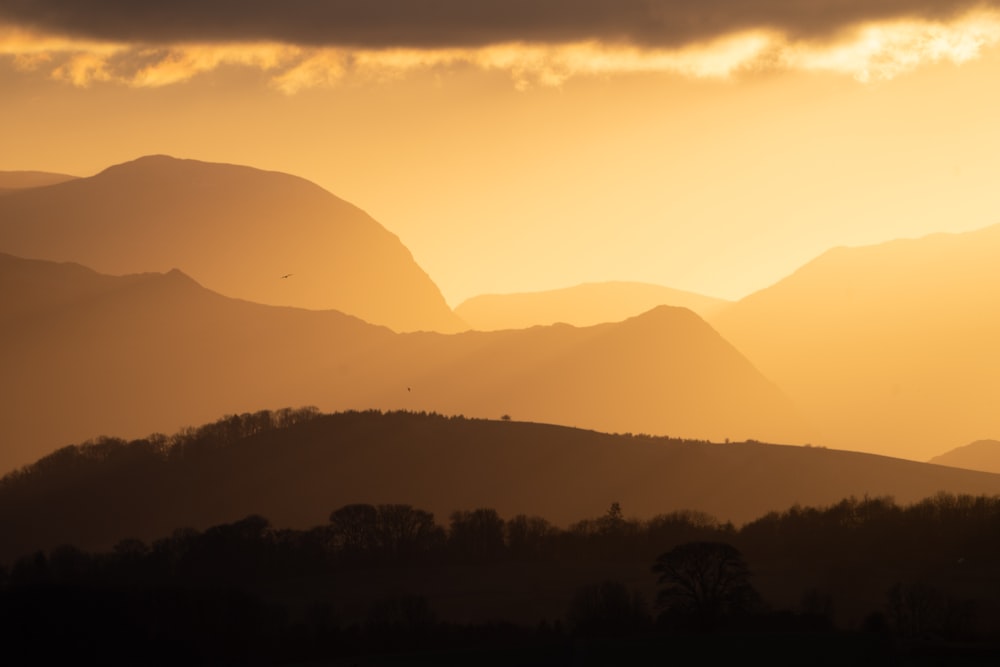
x=607 y=609
x=30 y=569
x=353 y=529
x=405 y=613
x=386 y=531
x=705 y=581
x=529 y=536
x=614 y=520
x=404 y=622
x=665 y=531
x=230 y=553
x=818 y=605
x=405 y=530
x=68 y=564
x=919 y=611
x=477 y=534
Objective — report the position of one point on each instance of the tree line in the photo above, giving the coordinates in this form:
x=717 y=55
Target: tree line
x=858 y=576
x=62 y=497
x=247 y=591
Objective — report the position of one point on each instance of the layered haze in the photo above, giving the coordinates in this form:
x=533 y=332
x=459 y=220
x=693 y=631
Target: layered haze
x=267 y=237
x=979 y=455
x=138 y=354
x=885 y=349
x=319 y=319
x=582 y=305
x=520 y=147
x=19 y=180
x=890 y=348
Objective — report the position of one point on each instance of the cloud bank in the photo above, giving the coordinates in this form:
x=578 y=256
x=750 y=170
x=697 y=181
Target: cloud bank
x=440 y=24
x=308 y=43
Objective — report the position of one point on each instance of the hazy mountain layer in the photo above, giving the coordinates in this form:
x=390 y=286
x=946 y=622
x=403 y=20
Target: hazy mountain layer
x=296 y=475
x=86 y=354
x=582 y=305
x=980 y=455
x=263 y=236
x=889 y=348
x=20 y=180
x=94 y=354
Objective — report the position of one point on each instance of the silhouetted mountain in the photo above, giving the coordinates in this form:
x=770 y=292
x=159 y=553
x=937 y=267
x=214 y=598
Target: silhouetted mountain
x=154 y=352
x=296 y=467
x=33 y=287
x=236 y=230
x=980 y=455
x=889 y=348
x=582 y=305
x=89 y=354
x=21 y=180
x=662 y=372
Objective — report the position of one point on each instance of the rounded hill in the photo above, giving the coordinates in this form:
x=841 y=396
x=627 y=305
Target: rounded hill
x=257 y=235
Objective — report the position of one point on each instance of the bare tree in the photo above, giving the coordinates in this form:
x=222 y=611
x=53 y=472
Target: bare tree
x=705 y=581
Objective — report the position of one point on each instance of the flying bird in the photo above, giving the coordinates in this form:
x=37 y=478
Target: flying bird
x=287 y=275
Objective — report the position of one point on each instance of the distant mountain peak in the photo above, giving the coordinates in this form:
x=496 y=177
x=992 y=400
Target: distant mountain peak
x=151 y=159
x=147 y=352
x=581 y=305
x=178 y=276
x=12 y=181
x=979 y=455
x=234 y=229
x=162 y=160
x=143 y=162
x=892 y=345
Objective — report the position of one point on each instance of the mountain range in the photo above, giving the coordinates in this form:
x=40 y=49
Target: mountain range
x=87 y=354
x=888 y=348
x=581 y=305
x=979 y=455
x=264 y=236
x=11 y=181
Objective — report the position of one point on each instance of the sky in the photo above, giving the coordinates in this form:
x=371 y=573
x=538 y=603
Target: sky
x=520 y=145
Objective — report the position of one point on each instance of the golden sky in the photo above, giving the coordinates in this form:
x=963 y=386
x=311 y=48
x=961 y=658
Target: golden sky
x=712 y=146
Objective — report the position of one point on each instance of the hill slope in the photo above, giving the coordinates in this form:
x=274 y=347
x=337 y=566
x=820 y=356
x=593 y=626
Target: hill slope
x=663 y=372
x=296 y=474
x=234 y=229
x=20 y=180
x=582 y=305
x=980 y=455
x=889 y=348
x=155 y=352
x=90 y=354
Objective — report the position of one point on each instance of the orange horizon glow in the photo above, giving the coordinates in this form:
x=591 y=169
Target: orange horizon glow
x=717 y=162
x=463 y=305
x=649 y=134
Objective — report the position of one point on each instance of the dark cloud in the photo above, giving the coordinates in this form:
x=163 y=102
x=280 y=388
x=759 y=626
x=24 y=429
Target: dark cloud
x=442 y=23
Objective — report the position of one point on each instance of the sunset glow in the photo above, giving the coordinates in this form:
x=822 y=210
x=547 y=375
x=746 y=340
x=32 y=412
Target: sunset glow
x=525 y=151
x=871 y=52
x=536 y=332
x=632 y=113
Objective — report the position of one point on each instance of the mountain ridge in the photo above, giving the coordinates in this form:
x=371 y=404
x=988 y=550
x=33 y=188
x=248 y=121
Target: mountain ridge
x=888 y=346
x=296 y=471
x=235 y=229
x=137 y=355
x=12 y=181
x=580 y=305
x=980 y=455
